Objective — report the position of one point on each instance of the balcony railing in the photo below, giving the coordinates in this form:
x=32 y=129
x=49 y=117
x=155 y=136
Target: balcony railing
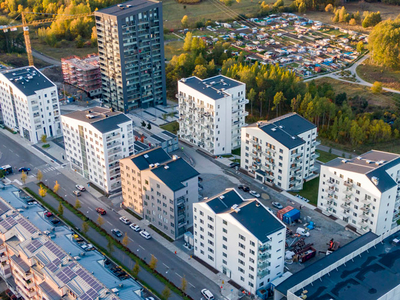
x=348 y=184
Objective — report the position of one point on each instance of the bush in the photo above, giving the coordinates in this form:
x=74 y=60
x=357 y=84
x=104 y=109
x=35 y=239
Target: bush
x=376 y=88
x=46 y=146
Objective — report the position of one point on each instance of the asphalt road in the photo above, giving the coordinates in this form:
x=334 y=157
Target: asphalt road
x=172 y=266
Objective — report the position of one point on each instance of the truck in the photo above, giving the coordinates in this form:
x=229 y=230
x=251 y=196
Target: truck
x=306 y=254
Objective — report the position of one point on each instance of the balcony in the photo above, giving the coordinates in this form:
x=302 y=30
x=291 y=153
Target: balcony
x=112 y=137
x=348 y=184
x=263 y=273
x=365 y=218
x=316 y=143
x=365 y=208
x=315 y=155
x=263 y=264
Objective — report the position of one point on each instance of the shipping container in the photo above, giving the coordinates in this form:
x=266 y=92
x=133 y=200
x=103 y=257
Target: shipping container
x=283 y=211
x=291 y=216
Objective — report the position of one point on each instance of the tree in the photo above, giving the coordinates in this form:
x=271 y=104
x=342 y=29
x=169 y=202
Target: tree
x=187 y=45
x=125 y=240
x=302 y=8
x=42 y=191
x=136 y=270
x=60 y=208
x=93 y=37
x=200 y=71
x=39 y=175
x=342 y=14
x=376 y=88
x=56 y=187
x=329 y=8
x=23 y=177
x=278 y=3
x=85 y=227
x=153 y=262
x=183 y=284
x=278 y=99
x=360 y=46
x=251 y=96
x=384 y=43
x=2 y=173
x=100 y=220
x=184 y=21
x=79 y=42
x=110 y=245
x=77 y=204
x=166 y=293
x=371 y=19
x=352 y=22
x=43 y=138
x=148 y=126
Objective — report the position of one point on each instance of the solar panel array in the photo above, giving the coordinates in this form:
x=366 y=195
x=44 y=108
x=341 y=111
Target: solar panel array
x=89 y=295
x=32 y=247
x=66 y=275
x=27 y=225
x=89 y=279
x=3 y=208
x=8 y=223
x=55 y=250
x=53 y=266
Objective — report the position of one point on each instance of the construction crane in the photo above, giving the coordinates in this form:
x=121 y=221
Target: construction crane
x=25 y=26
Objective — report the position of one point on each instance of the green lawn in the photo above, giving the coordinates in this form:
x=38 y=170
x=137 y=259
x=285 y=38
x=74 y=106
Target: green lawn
x=171 y=127
x=325 y=156
x=310 y=191
x=173 y=48
x=236 y=151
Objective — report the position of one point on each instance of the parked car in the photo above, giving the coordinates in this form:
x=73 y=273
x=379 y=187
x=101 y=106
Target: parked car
x=145 y=234
x=277 y=205
x=207 y=294
x=234 y=164
x=76 y=193
x=135 y=227
x=101 y=211
x=116 y=232
x=55 y=221
x=125 y=220
x=255 y=194
x=48 y=214
x=149 y=298
x=24 y=169
x=80 y=187
x=244 y=188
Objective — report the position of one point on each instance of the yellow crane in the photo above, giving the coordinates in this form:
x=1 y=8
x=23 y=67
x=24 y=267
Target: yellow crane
x=25 y=26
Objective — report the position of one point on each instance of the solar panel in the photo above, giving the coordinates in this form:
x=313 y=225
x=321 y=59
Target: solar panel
x=32 y=247
x=3 y=208
x=89 y=280
x=8 y=223
x=55 y=250
x=27 y=225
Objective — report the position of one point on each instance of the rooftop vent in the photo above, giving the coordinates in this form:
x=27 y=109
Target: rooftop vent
x=280 y=126
x=89 y=111
x=157 y=164
x=166 y=167
x=151 y=165
x=236 y=208
x=369 y=161
x=375 y=180
x=273 y=129
x=205 y=198
x=359 y=157
x=344 y=161
x=183 y=79
x=221 y=197
x=89 y=116
x=259 y=124
x=257 y=204
x=145 y=156
x=293 y=137
x=175 y=157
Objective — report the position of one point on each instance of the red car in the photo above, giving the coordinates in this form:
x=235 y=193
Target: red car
x=48 y=214
x=101 y=211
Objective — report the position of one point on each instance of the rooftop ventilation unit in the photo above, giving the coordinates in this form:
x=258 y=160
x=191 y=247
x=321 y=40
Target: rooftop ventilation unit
x=145 y=156
x=157 y=164
x=221 y=197
x=359 y=157
x=175 y=157
x=293 y=137
x=89 y=116
x=151 y=165
x=375 y=180
x=235 y=208
x=166 y=167
x=344 y=161
x=369 y=161
x=280 y=126
x=273 y=129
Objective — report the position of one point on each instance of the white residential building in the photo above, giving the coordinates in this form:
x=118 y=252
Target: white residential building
x=280 y=151
x=240 y=238
x=160 y=188
x=29 y=103
x=212 y=111
x=363 y=192
x=95 y=140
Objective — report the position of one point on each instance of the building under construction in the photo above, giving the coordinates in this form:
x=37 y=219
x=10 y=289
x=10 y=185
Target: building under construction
x=83 y=73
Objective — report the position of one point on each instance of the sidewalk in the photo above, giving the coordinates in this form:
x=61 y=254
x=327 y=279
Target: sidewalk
x=336 y=151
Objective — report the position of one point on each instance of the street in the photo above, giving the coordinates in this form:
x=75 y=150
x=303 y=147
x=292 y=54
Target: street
x=170 y=265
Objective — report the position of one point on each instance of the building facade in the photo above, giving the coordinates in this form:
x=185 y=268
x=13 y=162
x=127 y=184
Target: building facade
x=211 y=112
x=29 y=103
x=131 y=50
x=363 y=192
x=160 y=188
x=51 y=264
x=83 y=73
x=95 y=140
x=240 y=238
x=280 y=151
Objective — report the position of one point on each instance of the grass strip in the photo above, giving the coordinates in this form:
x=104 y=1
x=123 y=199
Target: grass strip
x=115 y=242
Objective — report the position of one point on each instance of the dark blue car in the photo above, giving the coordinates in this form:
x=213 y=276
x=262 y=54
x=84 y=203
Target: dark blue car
x=24 y=169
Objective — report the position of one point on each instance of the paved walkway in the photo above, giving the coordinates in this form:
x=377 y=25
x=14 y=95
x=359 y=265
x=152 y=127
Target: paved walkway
x=46 y=58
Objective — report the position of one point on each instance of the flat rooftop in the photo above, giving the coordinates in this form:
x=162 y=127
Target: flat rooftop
x=48 y=248
x=216 y=87
x=90 y=62
x=28 y=79
x=127 y=8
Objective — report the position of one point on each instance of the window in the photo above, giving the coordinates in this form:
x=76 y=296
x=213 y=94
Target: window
x=252 y=252
x=240 y=270
x=225 y=239
x=224 y=230
x=242 y=237
x=241 y=253
x=241 y=261
x=252 y=243
x=224 y=262
x=224 y=254
x=210 y=250
x=211 y=258
x=210 y=219
x=242 y=246
x=225 y=247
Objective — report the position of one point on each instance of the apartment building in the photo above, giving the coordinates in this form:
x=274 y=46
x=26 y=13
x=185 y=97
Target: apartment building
x=83 y=73
x=29 y=103
x=363 y=191
x=211 y=112
x=240 y=238
x=95 y=140
x=281 y=151
x=40 y=260
x=160 y=188
x=131 y=50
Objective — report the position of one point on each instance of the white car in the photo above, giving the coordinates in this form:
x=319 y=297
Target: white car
x=125 y=220
x=135 y=227
x=80 y=187
x=255 y=194
x=145 y=234
x=207 y=294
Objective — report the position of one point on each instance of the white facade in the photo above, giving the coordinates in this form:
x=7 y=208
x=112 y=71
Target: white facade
x=29 y=103
x=212 y=111
x=95 y=140
x=229 y=239
x=364 y=191
x=161 y=189
x=280 y=151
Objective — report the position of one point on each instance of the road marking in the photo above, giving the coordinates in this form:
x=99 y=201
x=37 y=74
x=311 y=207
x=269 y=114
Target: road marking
x=178 y=275
x=109 y=223
x=142 y=247
x=191 y=285
x=16 y=154
x=91 y=209
x=130 y=239
x=165 y=265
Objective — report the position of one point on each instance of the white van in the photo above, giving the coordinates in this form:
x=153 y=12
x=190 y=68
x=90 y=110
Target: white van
x=207 y=294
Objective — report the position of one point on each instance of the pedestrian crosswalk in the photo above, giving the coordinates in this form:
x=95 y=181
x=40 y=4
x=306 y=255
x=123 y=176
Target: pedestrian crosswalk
x=50 y=169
